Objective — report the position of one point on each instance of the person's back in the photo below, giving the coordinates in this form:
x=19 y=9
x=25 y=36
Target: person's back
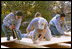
x=54 y=19
x=34 y=23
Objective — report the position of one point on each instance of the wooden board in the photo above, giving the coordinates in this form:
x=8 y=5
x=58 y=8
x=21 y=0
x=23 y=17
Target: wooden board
x=68 y=33
x=30 y=44
x=4 y=46
x=4 y=39
x=28 y=40
x=55 y=40
x=64 y=45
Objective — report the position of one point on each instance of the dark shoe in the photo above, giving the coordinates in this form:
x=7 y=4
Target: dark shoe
x=8 y=39
x=54 y=35
x=14 y=37
x=58 y=36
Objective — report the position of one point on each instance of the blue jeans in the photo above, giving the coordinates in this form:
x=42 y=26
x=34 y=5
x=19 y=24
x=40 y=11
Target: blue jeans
x=54 y=31
x=6 y=31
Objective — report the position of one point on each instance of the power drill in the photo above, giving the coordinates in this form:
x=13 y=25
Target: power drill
x=15 y=33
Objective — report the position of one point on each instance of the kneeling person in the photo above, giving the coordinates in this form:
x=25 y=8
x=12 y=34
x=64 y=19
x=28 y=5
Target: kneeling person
x=58 y=25
x=12 y=19
x=38 y=29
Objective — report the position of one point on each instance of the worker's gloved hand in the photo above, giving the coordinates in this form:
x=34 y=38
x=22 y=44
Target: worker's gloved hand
x=11 y=27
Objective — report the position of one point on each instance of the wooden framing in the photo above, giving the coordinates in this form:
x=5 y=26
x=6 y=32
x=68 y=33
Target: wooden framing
x=55 y=40
x=64 y=45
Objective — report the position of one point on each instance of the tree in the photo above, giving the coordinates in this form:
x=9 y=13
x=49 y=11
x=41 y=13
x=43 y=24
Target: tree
x=42 y=7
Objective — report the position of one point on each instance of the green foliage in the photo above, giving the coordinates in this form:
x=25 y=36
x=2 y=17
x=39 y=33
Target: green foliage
x=29 y=8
